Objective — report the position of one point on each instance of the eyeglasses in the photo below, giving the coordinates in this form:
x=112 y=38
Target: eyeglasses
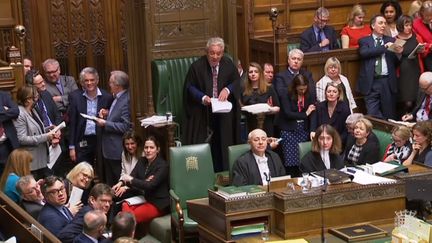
x=105 y=201
x=31 y=190
x=86 y=176
x=56 y=192
x=51 y=72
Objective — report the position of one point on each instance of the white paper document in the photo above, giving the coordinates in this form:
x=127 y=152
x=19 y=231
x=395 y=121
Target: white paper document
x=398 y=42
x=220 y=106
x=408 y=124
x=381 y=167
x=76 y=195
x=54 y=153
x=136 y=200
x=93 y=118
x=257 y=108
x=363 y=178
x=60 y=126
x=153 y=120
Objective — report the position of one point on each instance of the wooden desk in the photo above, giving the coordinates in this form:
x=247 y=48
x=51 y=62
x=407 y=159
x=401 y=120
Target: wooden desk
x=295 y=214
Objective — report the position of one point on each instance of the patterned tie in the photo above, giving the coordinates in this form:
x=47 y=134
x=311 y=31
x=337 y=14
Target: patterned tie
x=44 y=114
x=1 y=130
x=427 y=105
x=378 y=63
x=60 y=87
x=215 y=81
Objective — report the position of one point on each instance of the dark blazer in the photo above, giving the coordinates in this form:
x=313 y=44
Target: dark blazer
x=246 y=172
x=77 y=122
x=156 y=190
x=31 y=208
x=340 y=114
x=420 y=99
x=69 y=85
x=283 y=80
x=52 y=219
x=312 y=162
x=6 y=118
x=82 y=238
x=370 y=152
x=74 y=228
x=117 y=124
x=369 y=53
x=309 y=42
x=51 y=108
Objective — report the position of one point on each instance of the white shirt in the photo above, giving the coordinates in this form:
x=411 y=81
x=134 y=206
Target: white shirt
x=325 y=158
x=322 y=83
x=263 y=167
x=384 y=69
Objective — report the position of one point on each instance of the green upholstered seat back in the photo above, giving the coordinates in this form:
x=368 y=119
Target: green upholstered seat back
x=384 y=139
x=304 y=148
x=168 y=76
x=191 y=171
x=234 y=152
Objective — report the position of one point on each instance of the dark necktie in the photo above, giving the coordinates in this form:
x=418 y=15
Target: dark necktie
x=215 y=81
x=44 y=114
x=59 y=87
x=1 y=130
x=67 y=213
x=378 y=63
x=427 y=105
x=319 y=36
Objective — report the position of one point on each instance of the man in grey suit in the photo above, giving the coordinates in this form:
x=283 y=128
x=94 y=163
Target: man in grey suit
x=115 y=122
x=59 y=86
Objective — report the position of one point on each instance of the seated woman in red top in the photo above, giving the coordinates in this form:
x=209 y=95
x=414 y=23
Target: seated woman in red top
x=355 y=29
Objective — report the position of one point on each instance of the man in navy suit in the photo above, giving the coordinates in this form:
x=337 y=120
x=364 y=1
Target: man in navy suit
x=8 y=134
x=320 y=36
x=114 y=123
x=54 y=215
x=82 y=131
x=93 y=227
x=422 y=111
x=377 y=76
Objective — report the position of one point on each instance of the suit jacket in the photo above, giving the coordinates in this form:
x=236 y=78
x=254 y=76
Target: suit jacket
x=70 y=231
x=69 y=85
x=51 y=108
x=369 y=53
x=246 y=172
x=370 y=151
x=6 y=119
x=32 y=208
x=82 y=238
x=52 y=219
x=420 y=99
x=77 y=122
x=117 y=124
x=309 y=42
x=156 y=190
x=312 y=162
x=283 y=80
x=32 y=137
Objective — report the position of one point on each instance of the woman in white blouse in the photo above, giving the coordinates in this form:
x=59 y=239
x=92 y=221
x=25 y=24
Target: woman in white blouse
x=332 y=70
x=132 y=150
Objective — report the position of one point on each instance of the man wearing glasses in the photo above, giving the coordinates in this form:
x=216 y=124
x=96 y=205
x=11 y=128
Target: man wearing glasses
x=422 y=110
x=320 y=36
x=59 y=86
x=54 y=215
x=32 y=199
x=100 y=198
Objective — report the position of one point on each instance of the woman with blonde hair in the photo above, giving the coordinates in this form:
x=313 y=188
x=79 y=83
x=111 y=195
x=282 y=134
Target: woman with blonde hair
x=333 y=70
x=401 y=147
x=17 y=165
x=355 y=29
x=362 y=148
x=80 y=176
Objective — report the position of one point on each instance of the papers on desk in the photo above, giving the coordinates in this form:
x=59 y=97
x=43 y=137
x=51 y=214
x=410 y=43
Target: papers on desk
x=220 y=106
x=257 y=108
x=153 y=120
x=363 y=178
x=382 y=167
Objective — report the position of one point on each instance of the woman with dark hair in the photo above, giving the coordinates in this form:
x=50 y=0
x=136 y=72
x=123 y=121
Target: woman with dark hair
x=257 y=91
x=31 y=132
x=333 y=110
x=325 y=153
x=149 y=178
x=132 y=152
x=17 y=165
x=296 y=107
x=410 y=68
x=361 y=148
x=422 y=138
x=391 y=10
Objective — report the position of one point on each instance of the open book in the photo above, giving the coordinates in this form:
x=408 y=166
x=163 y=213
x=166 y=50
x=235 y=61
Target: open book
x=398 y=42
x=419 y=48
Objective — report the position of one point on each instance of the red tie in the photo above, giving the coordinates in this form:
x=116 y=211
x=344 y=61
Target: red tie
x=427 y=105
x=1 y=130
x=215 y=81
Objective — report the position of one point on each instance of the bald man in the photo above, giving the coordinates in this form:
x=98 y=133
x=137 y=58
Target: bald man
x=256 y=166
x=94 y=226
x=422 y=111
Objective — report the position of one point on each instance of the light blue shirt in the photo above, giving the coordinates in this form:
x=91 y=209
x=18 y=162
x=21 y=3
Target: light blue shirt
x=90 y=128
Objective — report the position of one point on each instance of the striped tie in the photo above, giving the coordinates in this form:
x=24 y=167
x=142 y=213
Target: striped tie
x=215 y=81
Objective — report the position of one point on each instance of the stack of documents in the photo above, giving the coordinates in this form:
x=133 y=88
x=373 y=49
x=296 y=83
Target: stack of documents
x=364 y=178
x=220 y=106
x=257 y=108
x=153 y=120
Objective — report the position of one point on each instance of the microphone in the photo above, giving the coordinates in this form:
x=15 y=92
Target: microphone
x=324 y=188
x=267 y=177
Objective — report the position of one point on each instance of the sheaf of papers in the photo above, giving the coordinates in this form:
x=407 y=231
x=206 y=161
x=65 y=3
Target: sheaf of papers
x=408 y=124
x=257 y=108
x=220 y=106
x=54 y=153
x=59 y=127
x=76 y=195
x=136 y=200
x=93 y=118
x=153 y=120
x=363 y=178
x=381 y=167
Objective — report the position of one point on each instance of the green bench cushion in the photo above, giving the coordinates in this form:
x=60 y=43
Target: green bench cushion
x=160 y=228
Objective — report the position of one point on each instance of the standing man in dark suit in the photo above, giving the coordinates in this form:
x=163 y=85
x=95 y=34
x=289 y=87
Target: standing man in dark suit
x=422 y=111
x=82 y=132
x=93 y=227
x=212 y=76
x=114 y=123
x=59 y=86
x=320 y=36
x=377 y=76
x=8 y=134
